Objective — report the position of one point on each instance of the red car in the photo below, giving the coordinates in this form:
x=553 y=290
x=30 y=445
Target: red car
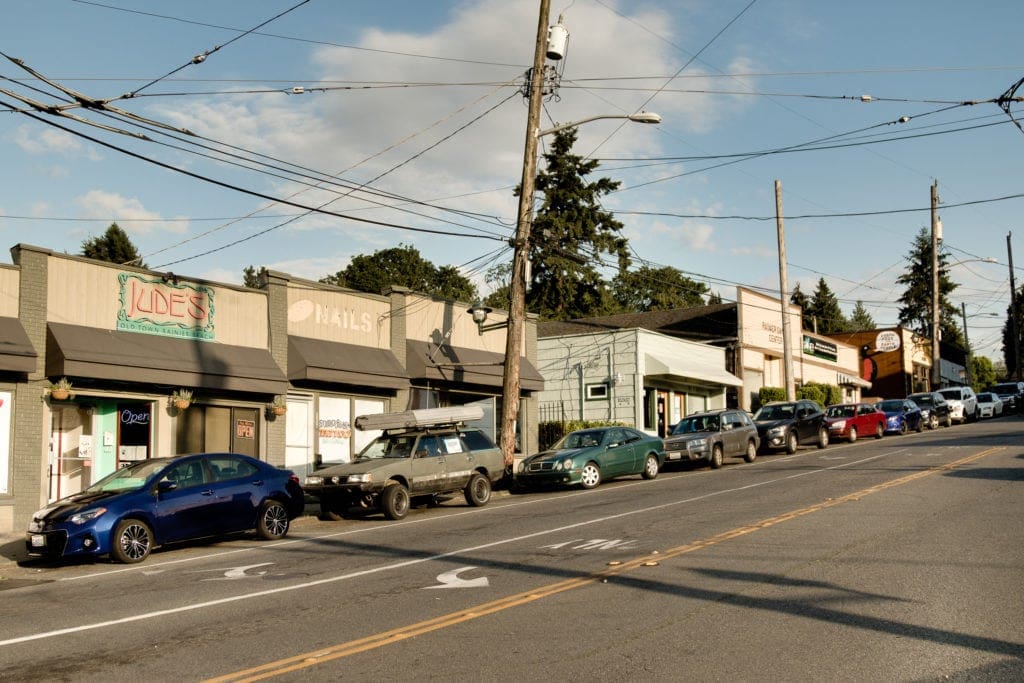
x=852 y=420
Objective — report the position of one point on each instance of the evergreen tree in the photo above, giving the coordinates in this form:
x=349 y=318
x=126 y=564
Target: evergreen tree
x=714 y=299
x=656 y=289
x=798 y=298
x=860 y=319
x=254 y=278
x=113 y=246
x=403 y=266
x=826 y=316
x=916 y=301
x=570 y=234
x=1010 y=351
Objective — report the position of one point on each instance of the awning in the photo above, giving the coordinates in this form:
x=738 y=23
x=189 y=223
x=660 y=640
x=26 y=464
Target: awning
x=852 y=381
x=147 y=358
x=338 y=363
x=684 y=368
x=16 y=352
x=466 y=366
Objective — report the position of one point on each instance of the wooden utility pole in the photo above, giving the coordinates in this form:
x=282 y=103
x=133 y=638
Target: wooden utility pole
x=936 y=379
x=1013 y=312
x=787 y=351
x=510 y=384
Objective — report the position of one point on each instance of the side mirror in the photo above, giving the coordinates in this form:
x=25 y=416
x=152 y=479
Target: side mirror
x=165 y=485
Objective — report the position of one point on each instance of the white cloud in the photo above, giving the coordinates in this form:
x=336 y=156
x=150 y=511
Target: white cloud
x=128 y=213
x=39 y=140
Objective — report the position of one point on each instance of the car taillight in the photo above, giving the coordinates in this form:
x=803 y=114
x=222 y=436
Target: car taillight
x=294 y=479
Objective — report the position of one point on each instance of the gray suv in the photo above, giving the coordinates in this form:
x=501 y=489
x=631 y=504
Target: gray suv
x=713 y=436
x=420 y=455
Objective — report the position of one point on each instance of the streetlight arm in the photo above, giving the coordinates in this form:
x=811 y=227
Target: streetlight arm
x=642 y=117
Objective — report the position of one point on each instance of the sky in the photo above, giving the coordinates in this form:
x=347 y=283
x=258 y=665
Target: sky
x=404 y=121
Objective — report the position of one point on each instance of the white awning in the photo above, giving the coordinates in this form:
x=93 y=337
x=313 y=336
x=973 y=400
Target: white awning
x=850 y=380
x=683 y=368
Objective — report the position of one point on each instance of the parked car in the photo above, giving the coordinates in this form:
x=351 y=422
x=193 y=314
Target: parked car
x=850 y=420
x=989 y=404
x=421 y=454
x=1011 y=394
x=788 y=424
x=713 y=436
x=901 y=415
x=934 y=408
x=166 y=500
x=589 y=456
x=963 y=403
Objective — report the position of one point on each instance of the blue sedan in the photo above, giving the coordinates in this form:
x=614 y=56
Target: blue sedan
x=166 y=500
x=901 y=415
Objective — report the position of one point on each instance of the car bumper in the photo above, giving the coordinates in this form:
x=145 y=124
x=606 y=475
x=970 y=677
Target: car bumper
x=55 y=543
x=773 y=441
x=680 y=454
x=547 y=478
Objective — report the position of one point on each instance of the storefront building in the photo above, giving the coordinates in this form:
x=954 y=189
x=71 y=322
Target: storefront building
x=278 y=373
x=898 y=362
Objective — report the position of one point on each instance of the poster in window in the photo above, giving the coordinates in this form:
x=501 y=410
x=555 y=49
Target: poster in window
x=245 y=429
x=334 y=429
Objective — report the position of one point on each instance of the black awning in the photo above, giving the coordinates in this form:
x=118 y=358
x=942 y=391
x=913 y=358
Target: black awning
x=92 y=352
x=467 y=366
x=16 y=352
x=339 y=363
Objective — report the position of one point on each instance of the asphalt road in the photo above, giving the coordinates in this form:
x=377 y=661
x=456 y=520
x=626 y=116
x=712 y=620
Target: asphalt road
x=899 y=559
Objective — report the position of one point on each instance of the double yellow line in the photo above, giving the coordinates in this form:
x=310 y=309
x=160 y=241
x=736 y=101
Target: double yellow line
x=397 y=635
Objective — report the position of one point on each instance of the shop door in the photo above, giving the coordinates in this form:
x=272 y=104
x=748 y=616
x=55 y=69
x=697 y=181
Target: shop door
x=217 y=429
x=298 y=445
x=70 y=462
x=663 y=414
x=244 y=437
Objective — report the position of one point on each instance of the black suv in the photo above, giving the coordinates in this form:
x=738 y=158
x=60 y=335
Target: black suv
x=934 y=409
x=1011 y=394
x=788 y=424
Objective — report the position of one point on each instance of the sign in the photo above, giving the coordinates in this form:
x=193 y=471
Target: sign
x=819 y=348
x=152 y=306
x=245 y=429
x=887 y=340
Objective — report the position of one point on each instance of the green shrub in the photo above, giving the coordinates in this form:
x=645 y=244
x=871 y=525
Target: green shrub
x=766 y=394
x=823 y=394
x=550 y=432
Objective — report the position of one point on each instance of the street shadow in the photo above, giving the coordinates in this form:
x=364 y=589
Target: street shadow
x=992 y=473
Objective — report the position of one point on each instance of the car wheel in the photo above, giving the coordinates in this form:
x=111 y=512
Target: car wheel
x=133 y=541
x=933 y=421
x=903 y=428
x=920 y=426
x=791 y=443
x=716 y=456
x=949 y=420
x=590 y=476
x=880 y=430
x=822 y=437
x=478 y=490
x=751 y=453
x=395 y=501
x=650 y=467
x=853 y=434
x=330 y=511
x=272 y=524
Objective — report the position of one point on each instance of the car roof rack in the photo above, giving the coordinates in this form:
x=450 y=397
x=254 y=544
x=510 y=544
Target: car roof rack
x=423 y=417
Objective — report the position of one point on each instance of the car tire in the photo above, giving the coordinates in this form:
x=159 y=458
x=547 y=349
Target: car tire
x=590 y=477
x=273 y=523
x=395 y=501
x=651 y=467
x=853 y=434
x=949 y=420
x=903 y=428
x=880 y=430
x=716 y=456
x=933 y=421
x=920 y=426
x=132 y=541
x=823 y=437
x=751 y=453
x=791 y=442
x=478 y=490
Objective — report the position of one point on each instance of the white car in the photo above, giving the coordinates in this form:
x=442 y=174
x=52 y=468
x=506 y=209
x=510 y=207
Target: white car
x=963 y=403
x=989 y=405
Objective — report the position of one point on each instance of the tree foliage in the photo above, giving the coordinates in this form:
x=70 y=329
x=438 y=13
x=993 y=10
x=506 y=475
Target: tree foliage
x=1012 y=351
x=916 y=301
x=570 y=235
x=798 y=298
x=825 y=315
x=860 y=319
x=404 y=267
x=656 y=289
x=983 y=373
x=253 y=278
x=114 y=246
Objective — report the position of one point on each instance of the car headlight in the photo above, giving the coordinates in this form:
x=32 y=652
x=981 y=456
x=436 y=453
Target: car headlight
x=567 y=464
x=839 y=424
x=698 y=444
x=521 y=467
x=88 y=515
x=776 y=431
x=314 y=481
x=364 y=478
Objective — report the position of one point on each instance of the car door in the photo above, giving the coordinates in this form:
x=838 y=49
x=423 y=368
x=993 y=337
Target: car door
x=734 y=441
x=806 y=426
x=458 y=460
x=237 y=493
x=428 y=467
x=618 y=455
x=183 y=508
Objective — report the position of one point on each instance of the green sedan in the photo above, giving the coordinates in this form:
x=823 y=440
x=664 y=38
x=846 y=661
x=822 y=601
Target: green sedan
x=588 y=456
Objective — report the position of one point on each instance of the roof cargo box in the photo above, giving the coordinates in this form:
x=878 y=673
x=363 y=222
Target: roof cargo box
x=424 y=417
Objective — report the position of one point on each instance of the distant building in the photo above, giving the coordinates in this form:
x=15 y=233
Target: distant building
x=898 y=362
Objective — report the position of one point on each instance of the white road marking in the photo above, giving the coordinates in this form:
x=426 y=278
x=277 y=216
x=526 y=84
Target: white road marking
x=451 y=580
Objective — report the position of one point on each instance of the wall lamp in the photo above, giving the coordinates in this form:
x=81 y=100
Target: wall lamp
x=480 y=313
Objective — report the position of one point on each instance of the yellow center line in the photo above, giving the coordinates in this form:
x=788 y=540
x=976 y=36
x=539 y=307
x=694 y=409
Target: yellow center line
x=308 y=659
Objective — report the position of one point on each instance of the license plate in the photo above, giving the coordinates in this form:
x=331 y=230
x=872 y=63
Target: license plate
x=675 y=456
x=38 y=541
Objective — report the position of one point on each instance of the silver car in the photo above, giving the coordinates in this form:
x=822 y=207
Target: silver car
x=713 y=436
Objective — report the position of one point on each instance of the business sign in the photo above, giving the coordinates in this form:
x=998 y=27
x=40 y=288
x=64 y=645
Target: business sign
x=819 y=348
x=153 y=306
x=887 y=341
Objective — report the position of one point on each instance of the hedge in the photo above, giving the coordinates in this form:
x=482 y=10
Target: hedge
x=550 y=432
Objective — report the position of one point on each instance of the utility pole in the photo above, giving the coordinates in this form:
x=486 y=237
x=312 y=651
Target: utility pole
x=1015 y=340
x=787 y=351
x=967 y=343
x=936 y=321
x=510 y=384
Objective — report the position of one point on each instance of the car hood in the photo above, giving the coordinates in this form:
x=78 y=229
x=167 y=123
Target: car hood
x=684 y=438
x=544 y=456
x=359 y=466
x=830 y=420
x=72 y=504
x=765 y=425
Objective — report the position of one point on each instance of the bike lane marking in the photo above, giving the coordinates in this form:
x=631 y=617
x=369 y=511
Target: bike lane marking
x=402 y=633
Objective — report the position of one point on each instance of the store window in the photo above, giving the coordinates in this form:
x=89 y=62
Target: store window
x=134 y=422
x=208 y=429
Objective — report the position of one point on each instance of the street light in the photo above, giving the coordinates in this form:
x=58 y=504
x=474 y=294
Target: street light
x=640 y=117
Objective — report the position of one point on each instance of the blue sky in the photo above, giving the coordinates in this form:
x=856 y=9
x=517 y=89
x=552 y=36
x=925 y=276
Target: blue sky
x=417 y=101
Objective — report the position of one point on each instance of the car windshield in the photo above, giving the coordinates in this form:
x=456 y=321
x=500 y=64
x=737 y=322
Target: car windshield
x=840 y=411
x=923 y=400
x=986 y=398
x=697 y=423
x=398 y=446
x=128 y=478
x=582 y=439
x=951 y=393
x=1005 y=388
x=890 y=406
x=781 y=412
